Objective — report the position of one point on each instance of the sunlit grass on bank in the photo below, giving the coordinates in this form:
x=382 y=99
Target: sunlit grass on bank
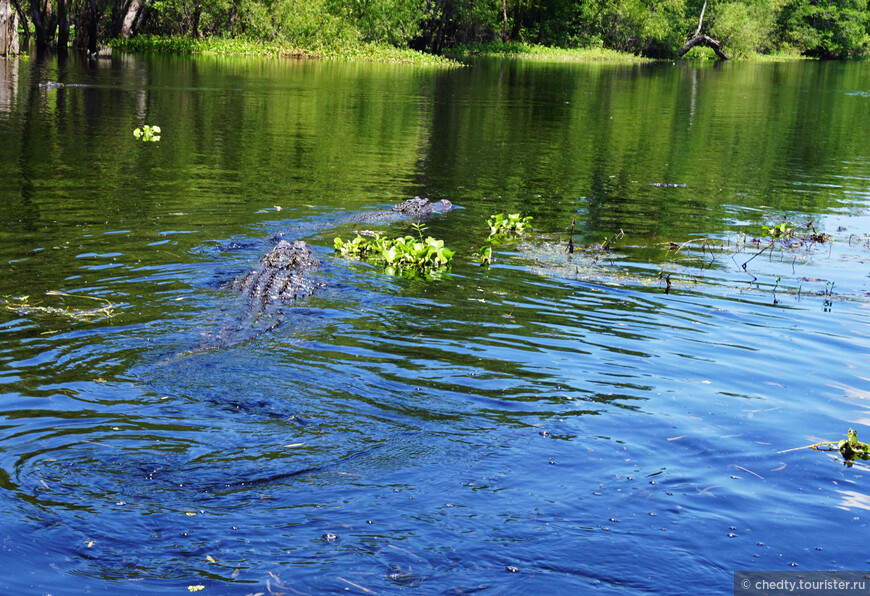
x=531 y=51
x=705 y=53
x=776 y=57
x=527 y=51
x=370 y=52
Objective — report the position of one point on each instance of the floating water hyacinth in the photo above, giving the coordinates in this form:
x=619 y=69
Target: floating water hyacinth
x=425 y=255
x=147 y=133
x=501 y=227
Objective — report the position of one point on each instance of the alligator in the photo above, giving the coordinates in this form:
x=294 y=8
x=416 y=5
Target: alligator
x=416 y=208
x=280 y=275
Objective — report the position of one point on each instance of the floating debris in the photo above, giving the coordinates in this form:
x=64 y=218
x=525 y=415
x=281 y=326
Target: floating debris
x=24 y=307
x=850 y=448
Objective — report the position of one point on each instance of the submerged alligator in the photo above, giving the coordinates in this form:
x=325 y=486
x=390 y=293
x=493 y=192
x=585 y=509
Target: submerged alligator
x=413 y=209
x=416 y=208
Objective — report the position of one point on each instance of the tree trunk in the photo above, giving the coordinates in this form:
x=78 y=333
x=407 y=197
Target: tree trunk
x=700 y=20
x=22 y=18
x=38 y=27
x=49 y=21
x=142 y=18
x=195 y=26
x=128 y=26
x=8 y=29
x=86 y=30
x=231 y=18
x=62 y=26
x=704 y=40
x=434 y=33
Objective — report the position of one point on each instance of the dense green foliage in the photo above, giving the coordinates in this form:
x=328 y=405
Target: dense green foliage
x=827 y=29
x=820 y=28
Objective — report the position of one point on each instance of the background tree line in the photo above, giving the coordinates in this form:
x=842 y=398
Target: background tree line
x=821 y=28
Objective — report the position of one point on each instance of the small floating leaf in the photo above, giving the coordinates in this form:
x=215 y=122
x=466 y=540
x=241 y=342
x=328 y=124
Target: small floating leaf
x=195 y=588
x=210 y=559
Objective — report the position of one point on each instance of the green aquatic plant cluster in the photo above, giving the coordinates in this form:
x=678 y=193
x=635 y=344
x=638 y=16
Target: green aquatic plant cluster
x=502 y=226
x=425 y=255
x=147 y=133
x=407 y=253
x=789 y=229
x=781 y=230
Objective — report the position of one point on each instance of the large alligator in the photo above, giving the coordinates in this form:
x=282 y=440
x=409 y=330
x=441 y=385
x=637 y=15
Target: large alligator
x=280 y=275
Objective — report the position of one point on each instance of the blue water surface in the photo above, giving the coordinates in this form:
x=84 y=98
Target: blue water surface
x=607 y=421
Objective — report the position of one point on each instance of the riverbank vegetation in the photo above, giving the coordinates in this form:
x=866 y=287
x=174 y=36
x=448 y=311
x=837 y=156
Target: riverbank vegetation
x=536 y=51
x=395 y=29
x=226 y=46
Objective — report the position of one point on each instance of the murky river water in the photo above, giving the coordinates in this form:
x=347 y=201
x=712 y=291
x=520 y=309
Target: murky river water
x=607 y=421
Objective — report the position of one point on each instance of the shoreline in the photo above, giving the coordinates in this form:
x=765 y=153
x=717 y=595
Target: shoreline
x=371 y=52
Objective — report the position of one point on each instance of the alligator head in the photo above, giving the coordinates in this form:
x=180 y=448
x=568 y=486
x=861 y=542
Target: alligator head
x=419 y=207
